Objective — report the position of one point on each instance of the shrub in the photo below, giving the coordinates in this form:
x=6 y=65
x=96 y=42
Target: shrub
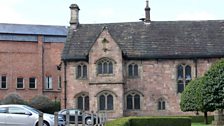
x=151 y=121
x=13 y=99
x=161 y=121
x=45 y=104
x=119 y=122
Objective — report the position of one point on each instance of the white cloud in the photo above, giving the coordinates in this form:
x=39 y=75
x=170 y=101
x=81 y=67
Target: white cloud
x=195 y=16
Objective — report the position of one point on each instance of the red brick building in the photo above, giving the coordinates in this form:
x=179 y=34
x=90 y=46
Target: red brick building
x=29 y=60
x=136 y=68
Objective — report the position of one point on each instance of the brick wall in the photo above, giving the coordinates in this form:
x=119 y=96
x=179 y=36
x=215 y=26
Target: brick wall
x=30 y=59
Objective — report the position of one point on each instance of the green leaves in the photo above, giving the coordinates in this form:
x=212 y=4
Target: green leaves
x=213 y=89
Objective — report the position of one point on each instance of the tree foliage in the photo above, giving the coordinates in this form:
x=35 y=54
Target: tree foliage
x=44 y=104
x=191 y=97
x=213 y=91
x=13 y=99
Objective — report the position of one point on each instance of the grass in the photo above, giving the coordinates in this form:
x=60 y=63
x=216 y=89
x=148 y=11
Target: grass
x=199 y=124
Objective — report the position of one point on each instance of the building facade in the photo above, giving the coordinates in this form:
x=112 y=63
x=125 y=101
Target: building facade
x=136 y=68
x=30 y=57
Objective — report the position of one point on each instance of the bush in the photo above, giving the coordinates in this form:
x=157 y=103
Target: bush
x=161 y=121
x=151 y=121
x=119 y=122
x=199 y=119
x=13 y=99
x=45 y=104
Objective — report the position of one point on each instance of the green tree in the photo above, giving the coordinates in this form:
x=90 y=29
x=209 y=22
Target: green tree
x=192 y=98
x=213 y=92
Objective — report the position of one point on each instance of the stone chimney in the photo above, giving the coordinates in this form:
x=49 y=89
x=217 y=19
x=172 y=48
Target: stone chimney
x=147 y=12
x=74 y=21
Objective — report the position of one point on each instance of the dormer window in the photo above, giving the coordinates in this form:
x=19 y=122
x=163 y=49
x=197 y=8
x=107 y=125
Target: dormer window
x=183 y=77
x=105 y=66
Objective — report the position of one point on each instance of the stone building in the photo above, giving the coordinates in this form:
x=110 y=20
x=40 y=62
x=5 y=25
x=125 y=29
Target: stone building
x=29 y=58
x=136 y=68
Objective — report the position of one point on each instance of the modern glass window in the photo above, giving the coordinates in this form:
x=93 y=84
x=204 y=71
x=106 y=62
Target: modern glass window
x=3 y=82
x=48 y=82
x=133 y=70
x=20 y=83
x=106 y=101
x=133 y=101
x=161 y=104
x=105 y=66
x=183 y=77
x=81 y=71
x=32 y=82
x=83 y=102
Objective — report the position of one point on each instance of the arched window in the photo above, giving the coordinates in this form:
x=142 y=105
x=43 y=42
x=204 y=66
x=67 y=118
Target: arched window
x=83 y=102
x=106 y=101
x=183 y=77
x=133 y=70
x=161 y=104
x=133 y=101
x=105 y=66
x=81 y=71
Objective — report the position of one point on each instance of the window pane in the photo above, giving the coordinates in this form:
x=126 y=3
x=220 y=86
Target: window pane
x=110 y=68
x=188 y=72
x=3 y=83
x=180 y=87
x=59 y=82
x=87 y=103
x=129 y=102
x=159 y=105
x=79 y=72
x=80 y=102
x=19 y=82
x=105 y=68
x=135 y=70
x=130 y=72
x=100 y=71
x=137 y=101
x=32 y=82
x=110 y=102
x=180 y=72
x=163 y=105
x=102 y=102
x=84 y=71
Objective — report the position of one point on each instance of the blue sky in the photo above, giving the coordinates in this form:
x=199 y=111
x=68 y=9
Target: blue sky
x=56 y=12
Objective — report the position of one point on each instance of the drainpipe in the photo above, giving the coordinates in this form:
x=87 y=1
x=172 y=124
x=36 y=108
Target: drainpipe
x=196 y=67
x=65 y=84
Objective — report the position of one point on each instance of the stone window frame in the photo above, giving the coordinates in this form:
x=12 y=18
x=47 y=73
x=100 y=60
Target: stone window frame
x=35 y=83
x=20 y=81
x=109 y=71
x=48 y=83
x=134 y=92
x=83 y=73
x=182 y=78
x=3 y=82
x=134 y=73
x=106 y=93
x=83 y=95
x=161 y=104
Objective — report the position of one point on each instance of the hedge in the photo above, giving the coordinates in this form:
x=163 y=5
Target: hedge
x=151 y=121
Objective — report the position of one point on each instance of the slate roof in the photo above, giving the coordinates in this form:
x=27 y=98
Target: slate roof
x=160 y=39
x=29 y=33
x=33 y=29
